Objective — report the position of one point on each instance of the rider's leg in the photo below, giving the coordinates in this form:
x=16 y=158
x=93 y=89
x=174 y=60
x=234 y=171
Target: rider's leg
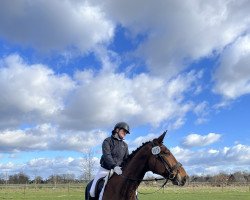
x=102 y=191
x=101 y=173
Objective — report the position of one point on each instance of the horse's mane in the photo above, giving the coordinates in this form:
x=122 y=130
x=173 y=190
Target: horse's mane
x=130 y=156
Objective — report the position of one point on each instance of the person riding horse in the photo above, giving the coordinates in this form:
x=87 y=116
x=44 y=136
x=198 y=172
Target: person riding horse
x=114 y=151
x=151 y=156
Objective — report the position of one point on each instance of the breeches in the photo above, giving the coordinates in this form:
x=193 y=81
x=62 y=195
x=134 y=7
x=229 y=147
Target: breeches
x=100 y=174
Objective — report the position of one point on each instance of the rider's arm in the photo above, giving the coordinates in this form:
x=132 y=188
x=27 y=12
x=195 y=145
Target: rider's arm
x=107 y=156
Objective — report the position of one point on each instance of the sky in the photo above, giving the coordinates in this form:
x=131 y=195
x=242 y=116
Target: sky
x=70 y=70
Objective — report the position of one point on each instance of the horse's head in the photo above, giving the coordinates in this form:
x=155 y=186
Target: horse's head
x=163 y=162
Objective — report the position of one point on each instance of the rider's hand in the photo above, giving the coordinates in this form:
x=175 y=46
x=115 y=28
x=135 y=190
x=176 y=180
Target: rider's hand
x=118 y=170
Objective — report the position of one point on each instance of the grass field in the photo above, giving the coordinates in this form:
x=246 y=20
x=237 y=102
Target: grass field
x=76 y=192
x=199 y=193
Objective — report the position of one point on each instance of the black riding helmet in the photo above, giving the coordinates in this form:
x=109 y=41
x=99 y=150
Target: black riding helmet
x=122 y=125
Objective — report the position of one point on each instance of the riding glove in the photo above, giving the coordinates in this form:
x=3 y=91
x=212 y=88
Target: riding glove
x=118 y=170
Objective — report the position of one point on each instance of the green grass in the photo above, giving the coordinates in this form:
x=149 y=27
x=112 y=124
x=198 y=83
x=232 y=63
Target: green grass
x=65 y=192
x=76 y=192
x=198 y=193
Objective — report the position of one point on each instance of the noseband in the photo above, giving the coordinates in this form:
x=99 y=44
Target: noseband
x=169 y=169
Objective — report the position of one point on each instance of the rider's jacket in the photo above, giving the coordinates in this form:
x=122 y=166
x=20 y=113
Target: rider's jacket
x=114 y=151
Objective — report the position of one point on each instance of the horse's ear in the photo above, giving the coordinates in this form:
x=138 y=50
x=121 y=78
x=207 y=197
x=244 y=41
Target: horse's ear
x=160 y=139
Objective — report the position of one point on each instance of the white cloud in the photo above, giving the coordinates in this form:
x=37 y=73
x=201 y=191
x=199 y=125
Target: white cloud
x=46 y=167
x=238 y=155
x=181 y=154
x=50 y=166
x=239 y=152
x=137 y=142
x=199 y=109
x=54 y=25
x=30 y=93
x=193 y=140
x=8 y=166
x=227 y=159
x=213 y=151
x=202 y=111
x=106 y=97
x=34 y=94
x=47 y=137
x=232 y=77
x=179 y=32
x=167 y=47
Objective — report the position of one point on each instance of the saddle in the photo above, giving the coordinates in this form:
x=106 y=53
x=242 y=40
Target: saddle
x=100 y=184
x=98 y=187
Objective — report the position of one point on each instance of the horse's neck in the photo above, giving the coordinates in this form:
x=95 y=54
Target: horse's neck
x=136 y=168
x=126 y=184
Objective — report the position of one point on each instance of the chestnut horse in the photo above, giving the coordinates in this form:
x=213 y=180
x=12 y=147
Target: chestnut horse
x=151 y=156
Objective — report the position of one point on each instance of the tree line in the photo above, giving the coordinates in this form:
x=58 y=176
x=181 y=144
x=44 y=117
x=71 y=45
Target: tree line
x=222 y=178
x=22 y=178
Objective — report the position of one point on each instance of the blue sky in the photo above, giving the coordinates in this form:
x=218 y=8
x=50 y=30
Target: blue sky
x=69 y=70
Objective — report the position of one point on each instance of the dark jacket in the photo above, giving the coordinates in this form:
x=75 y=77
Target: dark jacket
x=114 y=151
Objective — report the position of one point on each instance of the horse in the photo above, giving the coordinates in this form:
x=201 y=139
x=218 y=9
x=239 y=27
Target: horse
x=150 y=156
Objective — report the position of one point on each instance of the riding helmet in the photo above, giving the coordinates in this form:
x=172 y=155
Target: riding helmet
x=122 y=125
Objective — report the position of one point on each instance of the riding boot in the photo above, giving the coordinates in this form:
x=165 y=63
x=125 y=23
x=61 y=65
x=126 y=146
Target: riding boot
x=91 y=198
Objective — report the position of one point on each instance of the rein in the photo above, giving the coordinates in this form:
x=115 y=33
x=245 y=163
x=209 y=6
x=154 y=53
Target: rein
x=139 y=180
x=155 y=179
x=145 y=193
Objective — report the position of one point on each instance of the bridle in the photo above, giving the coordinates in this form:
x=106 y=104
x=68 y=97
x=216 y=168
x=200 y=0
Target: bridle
x=170 y=169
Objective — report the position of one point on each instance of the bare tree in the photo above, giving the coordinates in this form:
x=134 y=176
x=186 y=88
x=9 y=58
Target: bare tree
x=2 y=178
x=20 y=178
x=88 y=164
x=38 y=180
x=67 y=178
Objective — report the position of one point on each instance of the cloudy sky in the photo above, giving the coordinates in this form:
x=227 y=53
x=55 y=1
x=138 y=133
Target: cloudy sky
x=71 y=69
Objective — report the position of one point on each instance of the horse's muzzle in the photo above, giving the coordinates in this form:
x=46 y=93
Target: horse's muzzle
x=180 y=181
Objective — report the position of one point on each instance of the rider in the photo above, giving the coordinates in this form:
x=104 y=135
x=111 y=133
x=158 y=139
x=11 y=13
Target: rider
x=114 y=151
